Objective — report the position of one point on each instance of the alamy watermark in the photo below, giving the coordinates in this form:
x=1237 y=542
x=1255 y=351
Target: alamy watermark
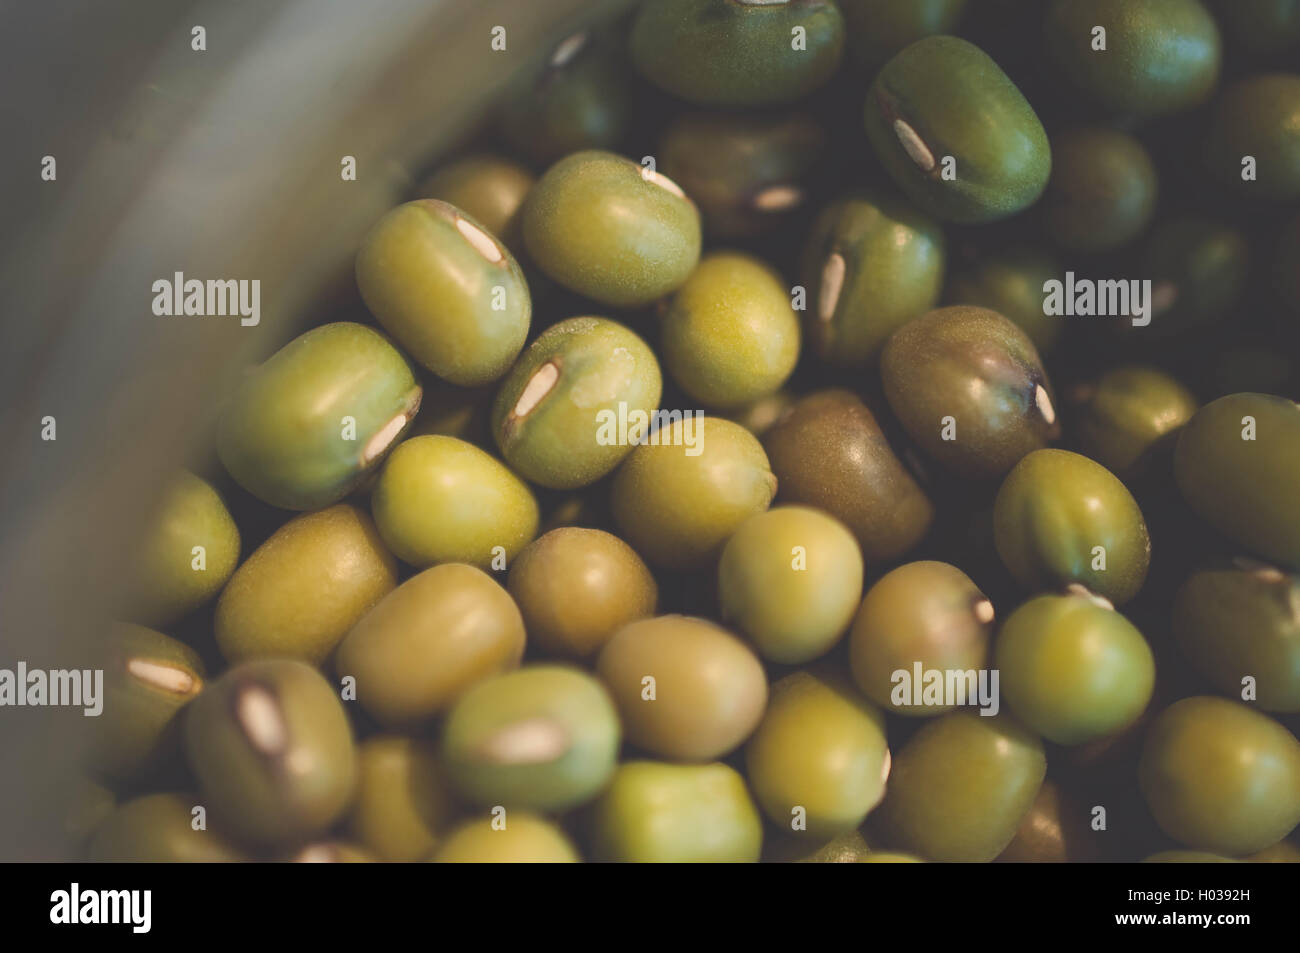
x=945 y=688
x=76 y=906
x=54 y=688
x=179 y=295
x=1085 y=297
x=635 y=427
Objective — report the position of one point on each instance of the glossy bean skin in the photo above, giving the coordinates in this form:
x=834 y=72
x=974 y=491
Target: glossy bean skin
x=729 y=335
x=1237 y=463
x=871 y=264
x=686 y=689
x=576 y=587
x=960 y=787
x=726 y=53
x=676 y=813
x=678 y=501
x=1073 y=669
x=1130 y=416
x=1160 y=57
x=857 y=479
x=928 y=613
x=442 y=500
x=614 y=231
x=1220 y=777
x=428 y=251
x=428 y=640
x=790 y=579
x=558 y=414
x=943 y=100
x=545 y=737
x=404 y=805
x=819 y=759
x=306 y=427
x=989 y=401
x=273 y=751
x=518 y=837
x=1060 y=518
x=300 y=592
x=188 y=554
x=1241 y=623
